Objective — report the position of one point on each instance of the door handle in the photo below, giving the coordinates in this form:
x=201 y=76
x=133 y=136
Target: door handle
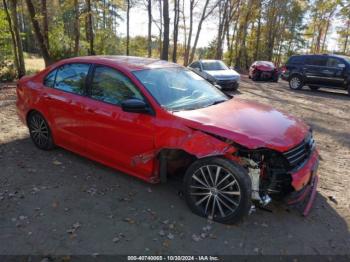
x=90 y=110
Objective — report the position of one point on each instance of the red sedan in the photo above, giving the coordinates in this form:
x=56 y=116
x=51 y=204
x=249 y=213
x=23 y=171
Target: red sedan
x=263 y=70
x=150 y=118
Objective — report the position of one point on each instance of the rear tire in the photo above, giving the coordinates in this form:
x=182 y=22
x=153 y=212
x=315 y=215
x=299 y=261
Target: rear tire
x=219 y=189
x=295 y=82
x=40 y=132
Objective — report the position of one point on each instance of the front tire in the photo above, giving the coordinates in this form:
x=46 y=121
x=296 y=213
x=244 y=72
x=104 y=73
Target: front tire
x=40 y=132
x=255 y=76
x=295 y=82
x=219 y=189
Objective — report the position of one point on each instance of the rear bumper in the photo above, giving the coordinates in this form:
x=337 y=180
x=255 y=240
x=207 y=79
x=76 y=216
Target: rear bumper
x=264 y=75
x=20 y=112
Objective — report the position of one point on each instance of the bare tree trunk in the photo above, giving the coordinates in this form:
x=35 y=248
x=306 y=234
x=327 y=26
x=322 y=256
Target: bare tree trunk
x=257 y=44
x=325 y=37
x=347 y=37
x=14 y=44
x=231 y=44
x=318 y=40
x=39 y=36
x=188 y=45
x=76 y=28
x=89 y=29
x=225 y=16
x=45 y=23
x=165 y=49
x=204 y=15
x=222 y=14
x=176 y=27
x=184 y=25
x=128 y=26
x=160 y=27
x=242 y=50
x=104 y=14
x=22 y=70
x=149 y=44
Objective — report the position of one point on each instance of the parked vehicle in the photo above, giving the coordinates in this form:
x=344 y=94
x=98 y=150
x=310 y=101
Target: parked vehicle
x=216 y=72
x=263 y=70
x=315 y=71
x=150 y=118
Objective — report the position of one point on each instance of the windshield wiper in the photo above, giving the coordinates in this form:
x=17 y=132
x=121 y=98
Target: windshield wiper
x=217 y=102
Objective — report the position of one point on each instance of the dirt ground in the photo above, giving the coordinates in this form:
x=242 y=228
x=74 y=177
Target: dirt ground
x=59 y=203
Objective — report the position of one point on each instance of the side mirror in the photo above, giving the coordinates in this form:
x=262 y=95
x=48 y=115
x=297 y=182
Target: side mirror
x=341 y=65
x=135 y=105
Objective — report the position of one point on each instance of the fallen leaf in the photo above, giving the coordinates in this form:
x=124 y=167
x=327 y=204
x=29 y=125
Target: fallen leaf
x=56 y=162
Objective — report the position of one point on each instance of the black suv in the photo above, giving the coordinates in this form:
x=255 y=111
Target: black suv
x=315 y=71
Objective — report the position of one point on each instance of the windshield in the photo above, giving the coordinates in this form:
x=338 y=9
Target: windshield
x=214 y=65
x=347 y=58
x=177 y=88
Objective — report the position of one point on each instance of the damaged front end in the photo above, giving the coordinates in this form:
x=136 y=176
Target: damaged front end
x=289 y=176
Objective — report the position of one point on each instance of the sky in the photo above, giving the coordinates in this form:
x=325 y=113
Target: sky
x=139 y=23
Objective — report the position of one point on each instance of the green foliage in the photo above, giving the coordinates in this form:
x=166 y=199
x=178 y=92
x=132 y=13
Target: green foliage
x=6 y=50
x=207 y=52
x=107 y=43
x=61 y=45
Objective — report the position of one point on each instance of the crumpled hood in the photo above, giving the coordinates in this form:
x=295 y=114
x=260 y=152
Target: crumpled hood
x=223 y=74
x=249 y=124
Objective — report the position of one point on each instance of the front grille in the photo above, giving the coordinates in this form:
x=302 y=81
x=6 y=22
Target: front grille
x=297 y=155
x=227 y=83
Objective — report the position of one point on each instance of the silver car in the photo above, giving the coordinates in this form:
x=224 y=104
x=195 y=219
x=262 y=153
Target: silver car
x=216 y=72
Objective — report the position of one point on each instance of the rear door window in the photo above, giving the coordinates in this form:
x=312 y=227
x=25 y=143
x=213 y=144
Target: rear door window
x=49 y=80
x=71 y=78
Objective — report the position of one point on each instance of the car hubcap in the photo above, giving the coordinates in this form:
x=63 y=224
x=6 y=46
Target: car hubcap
x=215 y=190
x=295 y=82
x=39 y=130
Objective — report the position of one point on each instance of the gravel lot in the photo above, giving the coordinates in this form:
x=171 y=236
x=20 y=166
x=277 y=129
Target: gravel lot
x=59 y=203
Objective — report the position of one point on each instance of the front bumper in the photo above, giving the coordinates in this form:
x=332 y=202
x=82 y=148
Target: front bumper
x=302 y=176
x=305 y=181
x=228 y=84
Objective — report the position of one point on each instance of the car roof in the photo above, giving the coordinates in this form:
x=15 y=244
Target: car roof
x=131 y=63
x=325 y=55
x=209 y=60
